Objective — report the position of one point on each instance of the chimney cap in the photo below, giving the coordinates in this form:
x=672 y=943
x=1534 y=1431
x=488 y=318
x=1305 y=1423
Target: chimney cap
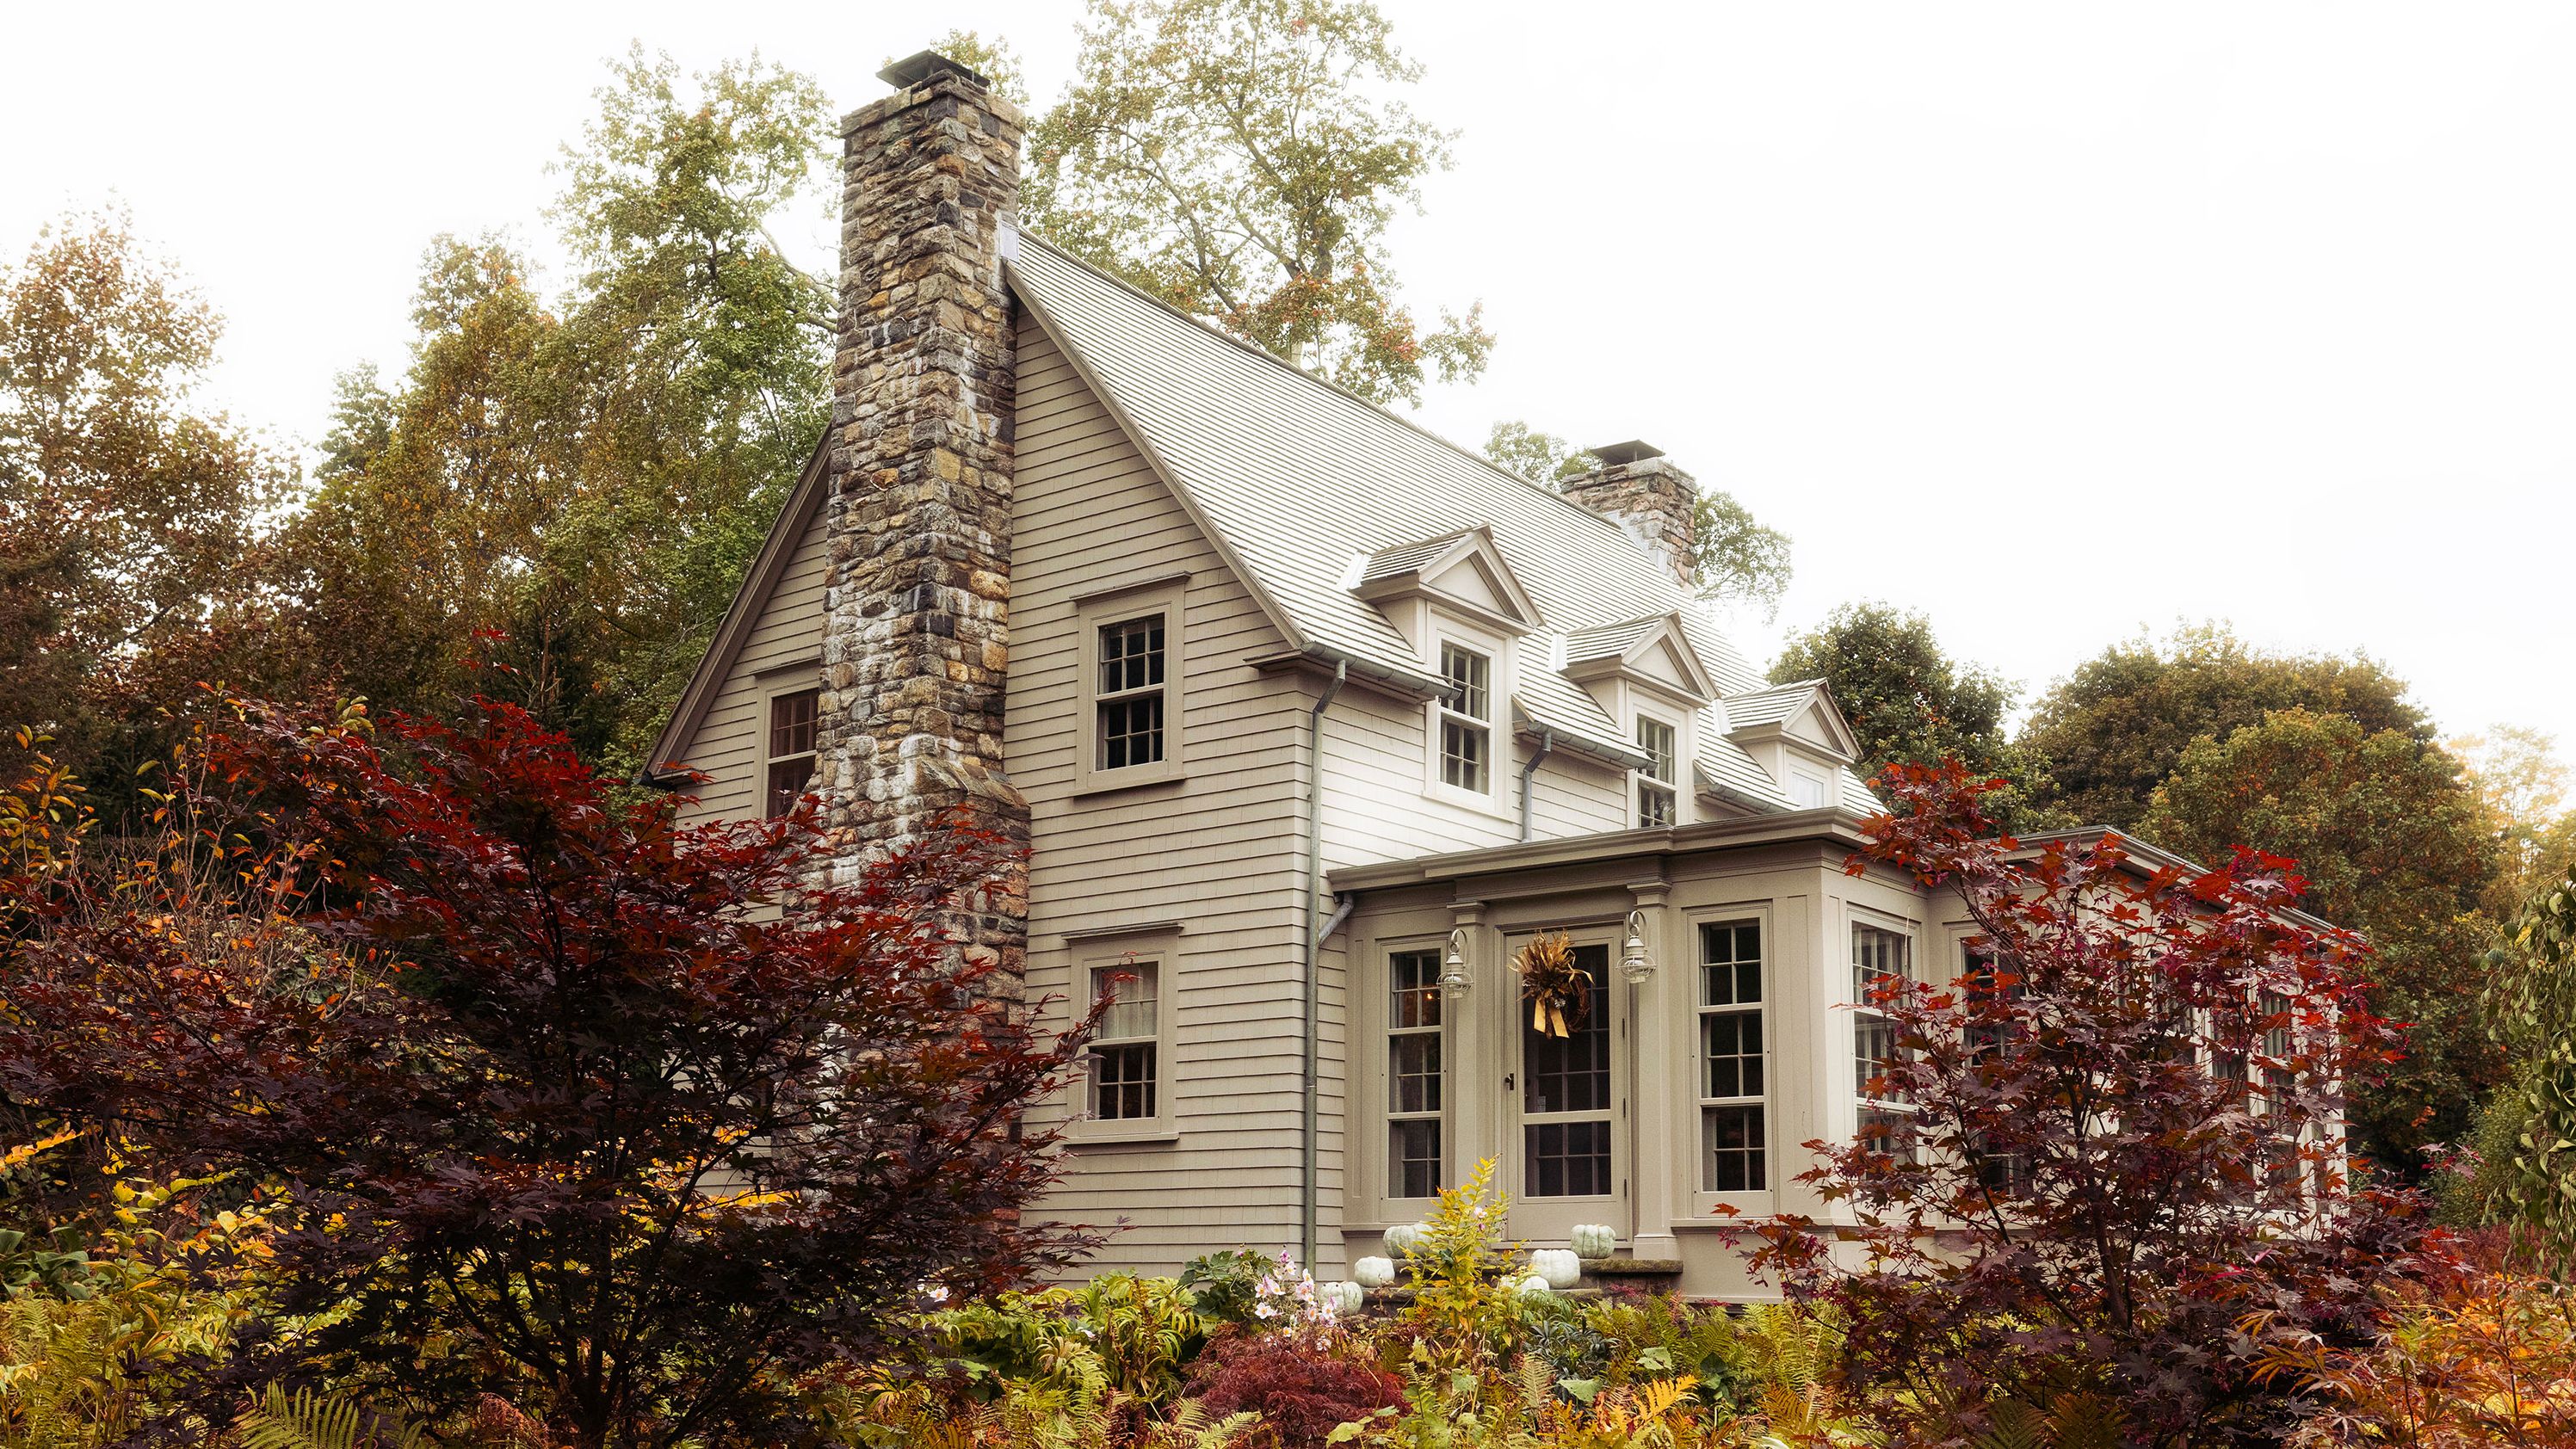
x=1613 y=455
x=912 y=70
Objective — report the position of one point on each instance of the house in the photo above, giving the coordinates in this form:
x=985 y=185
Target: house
x=1311 y=722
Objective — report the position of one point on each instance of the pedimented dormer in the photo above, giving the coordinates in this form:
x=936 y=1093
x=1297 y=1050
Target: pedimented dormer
x=1798 y=734
x=1461 y=574
x=1651 y=654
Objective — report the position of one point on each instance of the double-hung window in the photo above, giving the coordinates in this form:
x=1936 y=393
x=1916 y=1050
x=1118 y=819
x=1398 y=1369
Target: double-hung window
x=1125 y=1070
x=1731 y=1088
x=1657 y=795
x=788 y=757
x=1130 y=699
x=1466 y=720
x=1988 y=991
x=2279 y=1081
x=1881 y=958
x=1413 y=1075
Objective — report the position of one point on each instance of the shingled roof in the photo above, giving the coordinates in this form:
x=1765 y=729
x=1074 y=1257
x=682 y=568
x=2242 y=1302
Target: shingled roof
x=1302 y=481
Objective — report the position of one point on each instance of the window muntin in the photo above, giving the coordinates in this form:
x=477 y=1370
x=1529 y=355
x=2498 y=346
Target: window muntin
x=1658 y=801
x=1129 y=696
x=1880 y=956
x=1733 y=1155
x=1466 y=720
x=788 y=757
x=1414 y=1075
x=1124 y=1076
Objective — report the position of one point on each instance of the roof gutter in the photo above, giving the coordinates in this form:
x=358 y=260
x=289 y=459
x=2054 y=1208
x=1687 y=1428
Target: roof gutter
x=1308 y=1179
x=1325 y=659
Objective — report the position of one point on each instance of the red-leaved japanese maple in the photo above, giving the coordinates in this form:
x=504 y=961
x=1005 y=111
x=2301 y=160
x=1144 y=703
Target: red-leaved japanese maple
x=555 y=1093
x=2118 y=1160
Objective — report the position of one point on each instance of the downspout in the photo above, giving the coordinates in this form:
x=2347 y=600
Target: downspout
x=1307 y=1191
x=1546 y=743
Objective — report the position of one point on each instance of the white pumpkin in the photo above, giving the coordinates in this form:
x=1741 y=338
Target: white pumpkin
x=1374 y=1272
x=1343 y=1298
x=1560 y=1268
x=1532 y=1286
x=1404 y=1240
x=1594 y=1240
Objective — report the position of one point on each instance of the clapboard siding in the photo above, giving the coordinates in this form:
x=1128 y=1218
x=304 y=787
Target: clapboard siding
x=787 y=637
x=1219 y=850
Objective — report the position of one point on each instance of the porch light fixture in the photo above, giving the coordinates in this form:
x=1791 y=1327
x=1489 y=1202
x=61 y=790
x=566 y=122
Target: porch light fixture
x=1633 y=962
x=1454 y=980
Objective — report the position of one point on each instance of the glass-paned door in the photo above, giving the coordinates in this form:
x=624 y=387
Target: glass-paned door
x=1571 y=1118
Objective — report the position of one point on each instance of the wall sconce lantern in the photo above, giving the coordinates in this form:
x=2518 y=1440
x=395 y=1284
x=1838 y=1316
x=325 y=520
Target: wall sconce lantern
x=1633 y=961
x=1454 y=980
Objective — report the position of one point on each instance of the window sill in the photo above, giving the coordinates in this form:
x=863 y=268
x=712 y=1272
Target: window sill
x=1464 y=800
x=1142 y=1136
x=1117 y=782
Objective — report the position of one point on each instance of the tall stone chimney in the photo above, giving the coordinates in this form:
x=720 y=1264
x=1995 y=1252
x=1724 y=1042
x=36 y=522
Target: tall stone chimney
x=1648 y=496
x=918 y=522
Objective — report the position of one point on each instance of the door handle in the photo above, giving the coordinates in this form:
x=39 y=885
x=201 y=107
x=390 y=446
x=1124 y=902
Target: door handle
x=1508 y=1078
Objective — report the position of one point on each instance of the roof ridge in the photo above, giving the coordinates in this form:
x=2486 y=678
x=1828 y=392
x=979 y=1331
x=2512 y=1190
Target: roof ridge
x=1325 y=383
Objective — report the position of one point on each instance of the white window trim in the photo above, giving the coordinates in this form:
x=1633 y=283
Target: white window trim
x=1856 y=916
x=1703 y=1200
x=796 y=680
x=1680 y=724
x=1101 y=955
x=1094 y=614
x=1498 y=726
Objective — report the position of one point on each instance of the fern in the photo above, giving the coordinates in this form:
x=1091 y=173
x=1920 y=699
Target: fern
x=306 y=1420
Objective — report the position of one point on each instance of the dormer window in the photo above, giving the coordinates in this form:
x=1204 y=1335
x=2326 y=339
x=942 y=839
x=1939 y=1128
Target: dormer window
x=1466 y=720
x=1657 y=796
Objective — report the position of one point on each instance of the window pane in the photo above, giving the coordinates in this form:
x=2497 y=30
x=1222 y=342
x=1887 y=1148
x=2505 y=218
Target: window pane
x=788 y=780
x=1413 y=1159
x=1570 y=1073
x=1413 y=1072
x=1471 y=674
x=1731 y=1045
x=1566 y=1159
x=1656 y=738
x=1122 y=1081
x=1732 y=1146
x=1131 y=654
x=1131 y=731
x=1732 y=955
x=1878 y=955
x=1873 y=1048
x=1132 y=991
x=1654 y=805
x=1413 y=979
x=791 y=723
x=1462 y=756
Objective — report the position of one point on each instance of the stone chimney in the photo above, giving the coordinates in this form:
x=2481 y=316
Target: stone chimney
x=918 y=522
x=1649 y=497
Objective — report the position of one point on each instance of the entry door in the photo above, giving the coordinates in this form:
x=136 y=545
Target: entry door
x=1568 y=1113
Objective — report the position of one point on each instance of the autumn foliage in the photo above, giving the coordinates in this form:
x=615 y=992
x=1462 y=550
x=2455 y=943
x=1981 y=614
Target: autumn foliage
x=2118 y=1144
x=540 y=1091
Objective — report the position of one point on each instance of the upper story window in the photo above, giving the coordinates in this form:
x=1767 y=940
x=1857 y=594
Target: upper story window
x=1131 y=680
x=789 y=754
x=1467 y=720
x=1657 y=794
x=1808 y=791
x=1731 y=1090
x=1130 y=701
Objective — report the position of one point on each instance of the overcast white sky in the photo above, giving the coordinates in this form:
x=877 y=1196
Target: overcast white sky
x=2053 y=321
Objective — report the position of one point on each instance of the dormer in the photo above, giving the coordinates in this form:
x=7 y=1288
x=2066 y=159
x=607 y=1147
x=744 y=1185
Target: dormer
x=1650 y=654
x=1797 y=734
x=1461 y=575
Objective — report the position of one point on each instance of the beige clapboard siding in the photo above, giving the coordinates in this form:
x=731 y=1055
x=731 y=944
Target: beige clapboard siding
x=1375 y=751
x=1218 y=849
x=788 y=635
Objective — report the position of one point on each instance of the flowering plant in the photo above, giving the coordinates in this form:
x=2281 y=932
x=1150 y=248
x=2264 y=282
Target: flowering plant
x=1286 y=1297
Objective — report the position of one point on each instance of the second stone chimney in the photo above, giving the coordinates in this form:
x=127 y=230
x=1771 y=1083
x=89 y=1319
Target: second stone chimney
x=1647 y=496
x=916 y=637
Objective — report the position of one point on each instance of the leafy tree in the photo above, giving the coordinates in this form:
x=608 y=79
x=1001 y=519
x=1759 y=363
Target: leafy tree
x=537 y=1086
x=2390 y=843
x=1910 y=703
x=586 y=477
x=131 y=520
x=2518 y=777
x=1734 y=558
x=993 y=59
x=1229 y=157
x=2531 y=1003
x=2115 y=1180
x=2114 y=729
